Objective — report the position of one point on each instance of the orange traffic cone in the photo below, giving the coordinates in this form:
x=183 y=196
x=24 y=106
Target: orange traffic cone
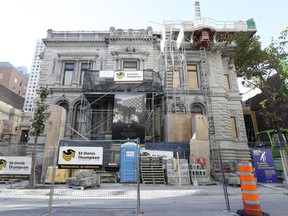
x=250 y=197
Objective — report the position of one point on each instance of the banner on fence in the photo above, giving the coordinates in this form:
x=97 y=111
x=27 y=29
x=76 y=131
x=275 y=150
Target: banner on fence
x=15 y=167
x=76 y=157
x=264 y=165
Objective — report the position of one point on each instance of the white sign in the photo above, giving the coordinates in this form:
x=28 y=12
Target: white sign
x=130 y=154
x=157 y=153
x=106 y=74
x=80 y=157
x=12 y=165
x=128 y=76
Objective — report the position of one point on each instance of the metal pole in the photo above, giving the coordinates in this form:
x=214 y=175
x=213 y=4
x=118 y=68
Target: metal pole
x=224 y=181
x=138 y=177
x=178 y=166
x=51 y=194
x=284 y=162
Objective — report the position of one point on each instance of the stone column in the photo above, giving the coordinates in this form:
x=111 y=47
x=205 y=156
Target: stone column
x=76 y=72
x=58 y=73
x=70 y=121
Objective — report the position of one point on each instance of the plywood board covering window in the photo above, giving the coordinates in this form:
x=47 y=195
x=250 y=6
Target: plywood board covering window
x=192 y=76
x=176 y=79
x=227 y=82
x=234 y=127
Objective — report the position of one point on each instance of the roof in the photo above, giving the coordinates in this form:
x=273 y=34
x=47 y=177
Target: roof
x=6 y=64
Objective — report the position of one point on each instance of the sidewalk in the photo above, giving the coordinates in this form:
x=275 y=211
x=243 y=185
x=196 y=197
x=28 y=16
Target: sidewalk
x=120 y=199
x=276 y=186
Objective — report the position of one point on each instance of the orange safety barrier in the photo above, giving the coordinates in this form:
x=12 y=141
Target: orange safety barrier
x=250 y=197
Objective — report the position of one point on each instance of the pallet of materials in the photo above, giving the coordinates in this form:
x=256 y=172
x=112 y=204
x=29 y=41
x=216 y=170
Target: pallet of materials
x=199 y=175
x=108 y=177
x=177 y=172
x=152 y=171
x=84 y=180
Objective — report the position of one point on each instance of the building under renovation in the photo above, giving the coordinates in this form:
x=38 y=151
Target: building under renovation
x=158 y=86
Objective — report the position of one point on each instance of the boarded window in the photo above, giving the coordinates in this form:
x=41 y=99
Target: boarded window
x=192 y=76
x=227 y=82
x=234 y=127
x=176 y=79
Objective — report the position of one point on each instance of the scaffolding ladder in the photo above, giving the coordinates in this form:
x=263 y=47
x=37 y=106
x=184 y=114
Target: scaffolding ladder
x=214 y=154
x=174 y=62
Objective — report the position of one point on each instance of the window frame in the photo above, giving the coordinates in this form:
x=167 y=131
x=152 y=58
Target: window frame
x=65 y=72
x=194 y=83
x=227 y=82
x=82 y=71
x=137 y=68
x=234 y=129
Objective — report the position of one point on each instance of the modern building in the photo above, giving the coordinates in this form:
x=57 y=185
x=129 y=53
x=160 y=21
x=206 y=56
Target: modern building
x=13 y=79
x=34 y=77
x=138 y=83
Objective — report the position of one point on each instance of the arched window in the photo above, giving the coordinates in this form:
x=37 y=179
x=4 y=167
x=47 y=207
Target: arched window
x=197 y=108
x=77 y=118
x=66 y=107
x=179 y=107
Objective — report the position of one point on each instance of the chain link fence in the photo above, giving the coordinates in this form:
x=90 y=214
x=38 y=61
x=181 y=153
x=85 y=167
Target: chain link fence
x=163 y=185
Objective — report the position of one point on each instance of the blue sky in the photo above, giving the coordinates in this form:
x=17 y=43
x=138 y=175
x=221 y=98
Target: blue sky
x=25 y=21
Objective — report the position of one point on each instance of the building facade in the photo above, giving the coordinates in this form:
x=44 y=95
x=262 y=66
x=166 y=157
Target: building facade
x=13 y=79
x=150 y=85
x=10 y=115
x=34 y=77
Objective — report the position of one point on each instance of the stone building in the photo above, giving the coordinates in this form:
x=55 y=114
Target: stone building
x=138 y=83
x=12 y=135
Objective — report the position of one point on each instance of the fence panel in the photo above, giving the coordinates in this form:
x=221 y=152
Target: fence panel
x=166 y=187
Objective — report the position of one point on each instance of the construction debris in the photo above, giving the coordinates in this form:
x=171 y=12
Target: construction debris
x=84 y=180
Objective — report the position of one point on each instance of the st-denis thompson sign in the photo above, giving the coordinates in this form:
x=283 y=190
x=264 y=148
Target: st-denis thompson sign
x=71 y=157
x=15 y=167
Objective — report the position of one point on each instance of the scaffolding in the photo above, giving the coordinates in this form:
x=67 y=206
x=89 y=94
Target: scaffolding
x=97 y=106
x=198 y=36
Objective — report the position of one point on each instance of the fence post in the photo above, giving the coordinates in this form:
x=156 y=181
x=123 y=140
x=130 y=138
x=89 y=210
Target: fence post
x=51 y=194
x=138 y=211
x=250 y=197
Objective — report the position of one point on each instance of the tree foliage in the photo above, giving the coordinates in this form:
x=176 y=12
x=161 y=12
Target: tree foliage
x=266 y=69
x=40 y=115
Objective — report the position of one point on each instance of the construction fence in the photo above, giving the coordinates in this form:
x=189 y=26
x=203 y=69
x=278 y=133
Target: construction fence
x=153 y=185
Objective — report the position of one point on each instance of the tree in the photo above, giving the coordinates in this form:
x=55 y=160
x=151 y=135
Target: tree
x=258 y=67
x=37 y=127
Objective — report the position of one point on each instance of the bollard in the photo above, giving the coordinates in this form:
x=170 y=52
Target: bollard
x=250 y=197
